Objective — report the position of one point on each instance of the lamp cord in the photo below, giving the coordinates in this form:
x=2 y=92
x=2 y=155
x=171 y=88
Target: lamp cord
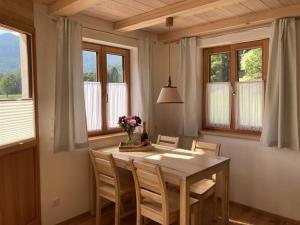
x=169 y=82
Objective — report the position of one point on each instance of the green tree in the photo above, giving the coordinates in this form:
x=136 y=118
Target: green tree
x=91 y=76
x=219 y=67
x=251 y=65
x=8 y=84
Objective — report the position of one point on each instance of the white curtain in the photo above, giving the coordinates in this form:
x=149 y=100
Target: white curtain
x=117 y=103
x=281 y=115
x=70 y=130
x=189 y=71
x=249 y=105
x=218 y=96
x=93 y=107
x=145 y=53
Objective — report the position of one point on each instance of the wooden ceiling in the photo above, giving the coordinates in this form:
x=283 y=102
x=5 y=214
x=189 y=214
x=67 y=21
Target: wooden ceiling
x=150 y=14
x=116 y=10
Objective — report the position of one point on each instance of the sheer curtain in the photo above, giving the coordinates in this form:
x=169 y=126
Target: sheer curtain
x=117 y=103
x=281 y=115
x=218 y=104
x=93 y=107
x=70 y=130
x=189 y=70
x=249 y=105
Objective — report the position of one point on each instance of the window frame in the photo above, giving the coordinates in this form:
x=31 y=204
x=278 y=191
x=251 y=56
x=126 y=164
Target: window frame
x=233 y=77
x=29 y=31
x=102 y=51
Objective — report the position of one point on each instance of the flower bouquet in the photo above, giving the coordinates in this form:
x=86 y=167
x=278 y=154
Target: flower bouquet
x=129 y=124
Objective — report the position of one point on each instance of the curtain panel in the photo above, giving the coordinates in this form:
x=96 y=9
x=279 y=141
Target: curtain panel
x=281 y=115
x=189 y=70
x=145 y=82
x=70 y=128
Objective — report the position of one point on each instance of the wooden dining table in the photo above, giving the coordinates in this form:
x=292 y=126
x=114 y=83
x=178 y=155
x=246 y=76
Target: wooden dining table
x=181 y=168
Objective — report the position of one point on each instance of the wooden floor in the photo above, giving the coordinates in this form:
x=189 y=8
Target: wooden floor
x=239 y=215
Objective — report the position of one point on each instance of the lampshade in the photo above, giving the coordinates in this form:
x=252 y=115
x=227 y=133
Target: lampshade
x=169 y=94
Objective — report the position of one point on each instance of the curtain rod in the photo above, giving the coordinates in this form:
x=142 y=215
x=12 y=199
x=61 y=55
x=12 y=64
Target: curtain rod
x=103 y=31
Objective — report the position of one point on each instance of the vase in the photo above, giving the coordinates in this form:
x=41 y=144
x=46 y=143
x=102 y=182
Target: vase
x=129 y=138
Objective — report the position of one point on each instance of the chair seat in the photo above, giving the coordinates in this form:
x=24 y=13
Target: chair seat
x=126 y=188
x=202 y=187
x=174 y=205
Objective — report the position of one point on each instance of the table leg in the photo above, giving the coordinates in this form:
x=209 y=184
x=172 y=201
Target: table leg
x=225 y=195
x=184 y=203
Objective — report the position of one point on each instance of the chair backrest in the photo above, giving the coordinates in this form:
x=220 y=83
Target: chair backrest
x=150 y=185
x=206 y=148
x=167 y=141
x=105 y=170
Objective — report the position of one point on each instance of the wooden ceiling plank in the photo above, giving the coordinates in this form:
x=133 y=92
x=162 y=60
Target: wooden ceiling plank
x=272 y=3
x=242 y=21
x=70 y=7
x=255 y=5
x=156 y=16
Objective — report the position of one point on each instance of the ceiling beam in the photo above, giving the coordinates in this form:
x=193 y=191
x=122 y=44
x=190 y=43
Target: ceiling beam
x=69 y=7
x=157 y=16
x=243 y=21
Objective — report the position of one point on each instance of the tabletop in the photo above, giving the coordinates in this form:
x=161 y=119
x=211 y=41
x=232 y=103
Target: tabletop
x=183 y=163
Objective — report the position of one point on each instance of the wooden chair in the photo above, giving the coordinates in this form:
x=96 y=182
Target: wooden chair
x=167 y=141
x=154 y=201
x=206 y=187
x=109 y=184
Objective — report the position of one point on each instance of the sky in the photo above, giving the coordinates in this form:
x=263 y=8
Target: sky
x=5 y=31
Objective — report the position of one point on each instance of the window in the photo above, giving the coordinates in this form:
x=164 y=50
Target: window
x=234 y=83
x=16 y=103
x=106 y=87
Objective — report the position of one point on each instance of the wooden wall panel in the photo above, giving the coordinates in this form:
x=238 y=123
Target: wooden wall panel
x=17 y=13
x=18 y=201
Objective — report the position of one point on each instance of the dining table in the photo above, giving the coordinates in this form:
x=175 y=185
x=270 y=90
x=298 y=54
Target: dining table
x=182 y=168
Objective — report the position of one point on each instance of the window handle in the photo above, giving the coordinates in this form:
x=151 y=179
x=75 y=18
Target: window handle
x=106 y=97
x=233 y=92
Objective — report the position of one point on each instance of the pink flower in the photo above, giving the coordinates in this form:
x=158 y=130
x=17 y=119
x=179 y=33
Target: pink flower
x=132 y=122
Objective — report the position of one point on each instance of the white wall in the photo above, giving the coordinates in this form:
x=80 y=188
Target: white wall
x=263 y=178
x=65 y=176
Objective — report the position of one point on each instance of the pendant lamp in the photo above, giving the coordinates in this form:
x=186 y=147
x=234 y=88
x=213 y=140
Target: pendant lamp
x=169 y=93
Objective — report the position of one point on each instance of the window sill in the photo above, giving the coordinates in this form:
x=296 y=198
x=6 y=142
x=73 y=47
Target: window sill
x=254 y=137
x=106 y=136
x=107 y=140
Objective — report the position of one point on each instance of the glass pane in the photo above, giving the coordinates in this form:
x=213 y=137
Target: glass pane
x=92 y=91
x=16 y=117
x=89 y=65
x=14 y=82
x=219 y=67
x=115 y=73
x=218 y=104
x=250 y=104
x=117 y=103
x=250 y=64
x=93 y=109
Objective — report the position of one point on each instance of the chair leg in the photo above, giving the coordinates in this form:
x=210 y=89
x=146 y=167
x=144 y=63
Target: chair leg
x=139 y=218
x=98 y=210
x=117 y=212
x=195 y=215
x=201 y=212
x=215 y=205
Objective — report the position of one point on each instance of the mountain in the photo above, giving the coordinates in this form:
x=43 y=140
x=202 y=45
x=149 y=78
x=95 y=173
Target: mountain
x=9 y=53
